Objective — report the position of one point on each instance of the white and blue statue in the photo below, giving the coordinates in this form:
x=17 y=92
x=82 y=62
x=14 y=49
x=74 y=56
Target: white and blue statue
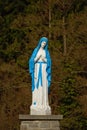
x=40 y=71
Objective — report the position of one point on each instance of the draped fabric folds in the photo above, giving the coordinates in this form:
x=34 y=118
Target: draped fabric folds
x=32 y=63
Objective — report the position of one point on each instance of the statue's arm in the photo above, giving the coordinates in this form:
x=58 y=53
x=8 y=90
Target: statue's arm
x=37 y=58
x=44 y=58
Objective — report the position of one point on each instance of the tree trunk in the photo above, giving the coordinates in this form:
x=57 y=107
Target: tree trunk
x=49 y=19
x=64 y=36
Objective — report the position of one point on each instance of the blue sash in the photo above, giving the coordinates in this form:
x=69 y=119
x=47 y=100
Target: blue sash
x=39 y=82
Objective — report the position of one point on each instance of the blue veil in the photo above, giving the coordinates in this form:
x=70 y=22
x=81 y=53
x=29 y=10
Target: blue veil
x=32 y=64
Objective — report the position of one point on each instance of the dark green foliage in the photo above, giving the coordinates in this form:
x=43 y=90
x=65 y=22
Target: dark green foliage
x=79 y=5
x=69 y=106
x=12 y=44
x=74 y=123
x=68 y=99
x=22 y=23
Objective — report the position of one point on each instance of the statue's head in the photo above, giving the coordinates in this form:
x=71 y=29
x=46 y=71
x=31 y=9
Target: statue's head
x=43 y=42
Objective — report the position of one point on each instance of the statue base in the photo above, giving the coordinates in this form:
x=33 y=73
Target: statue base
x=40 y=122
x=40 y=110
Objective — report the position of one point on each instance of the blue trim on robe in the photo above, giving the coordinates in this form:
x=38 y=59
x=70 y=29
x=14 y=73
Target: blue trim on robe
x=32 y=63
x=39 y=82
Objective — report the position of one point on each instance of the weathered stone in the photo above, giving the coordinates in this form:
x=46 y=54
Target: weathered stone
x=54 y=124
x=24 y=126
x=40 y=122
x=52 y=129
x=34 y=124
x=44 y=124
x=40 y=117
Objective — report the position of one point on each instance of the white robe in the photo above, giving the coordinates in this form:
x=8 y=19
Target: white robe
x=40 y=104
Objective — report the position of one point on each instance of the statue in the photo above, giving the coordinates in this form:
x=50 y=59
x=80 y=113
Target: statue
x=40 y=71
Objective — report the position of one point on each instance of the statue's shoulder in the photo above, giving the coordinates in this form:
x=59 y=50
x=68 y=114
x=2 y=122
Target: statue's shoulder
x=34 y=51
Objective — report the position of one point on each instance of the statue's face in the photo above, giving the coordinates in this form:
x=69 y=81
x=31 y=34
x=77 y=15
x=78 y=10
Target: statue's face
x=43 y=44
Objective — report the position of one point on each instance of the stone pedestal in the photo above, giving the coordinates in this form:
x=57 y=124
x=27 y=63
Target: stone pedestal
x=40 y=122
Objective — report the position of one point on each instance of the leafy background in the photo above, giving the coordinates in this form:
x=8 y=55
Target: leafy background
x=22 y=24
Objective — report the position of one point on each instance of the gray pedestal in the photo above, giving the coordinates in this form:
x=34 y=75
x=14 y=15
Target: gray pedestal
x=42 y=122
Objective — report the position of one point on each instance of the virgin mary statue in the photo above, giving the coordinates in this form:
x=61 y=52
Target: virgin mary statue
x=40 y=71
